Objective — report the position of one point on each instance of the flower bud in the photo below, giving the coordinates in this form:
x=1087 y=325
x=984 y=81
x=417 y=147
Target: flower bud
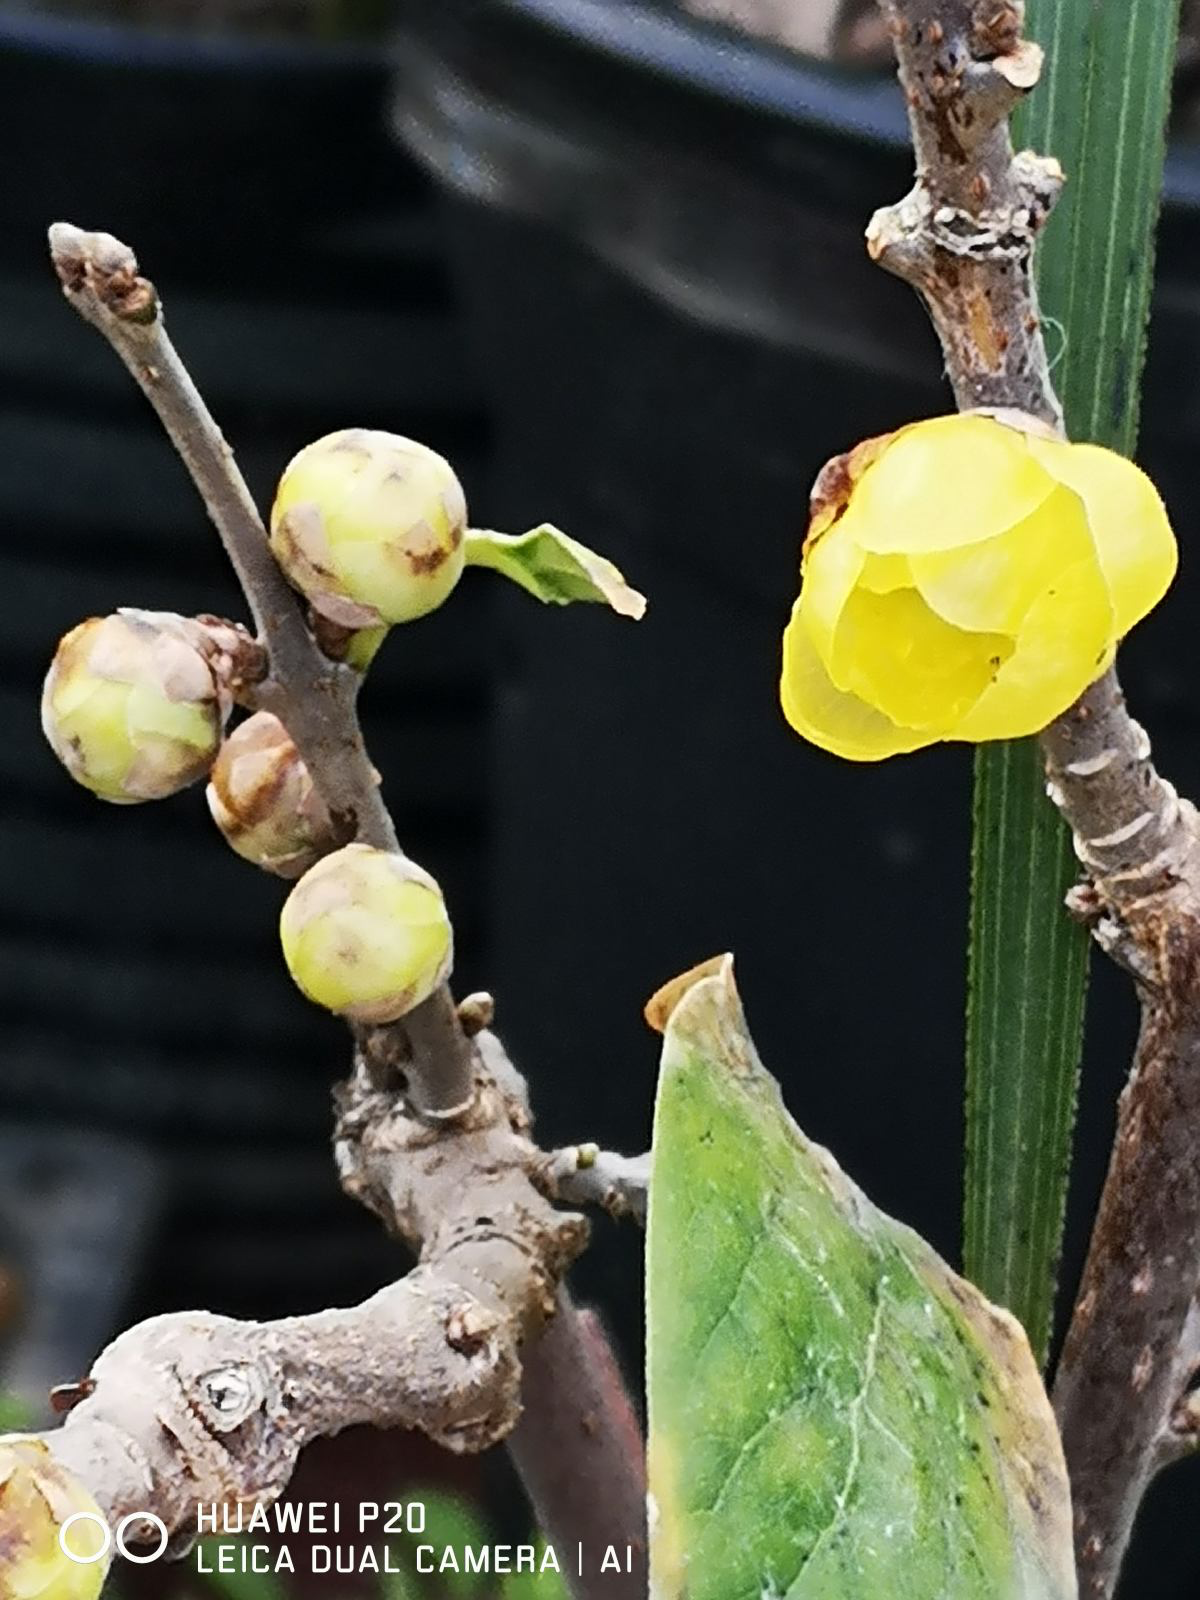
x=369 y=526
x=131 y=706
x=263 y=800
x=37 y=1496
x=366 y=934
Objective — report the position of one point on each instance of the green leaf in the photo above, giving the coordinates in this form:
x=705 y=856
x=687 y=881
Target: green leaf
x=1100 y=108
x=554 y=568
x=834 y=1415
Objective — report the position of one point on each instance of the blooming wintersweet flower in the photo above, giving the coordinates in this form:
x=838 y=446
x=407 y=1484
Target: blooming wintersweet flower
x=966 y=577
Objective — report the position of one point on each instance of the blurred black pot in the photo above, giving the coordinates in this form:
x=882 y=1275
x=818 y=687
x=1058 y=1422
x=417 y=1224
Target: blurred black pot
x=140 y=983
x=658 y=231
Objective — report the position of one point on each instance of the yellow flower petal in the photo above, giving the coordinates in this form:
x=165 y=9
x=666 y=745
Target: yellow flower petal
x=1128 y=521
x=882 y=574
x=993 y=584
x=1066 y=641
x=917 y=668
x=946 y=482
x=824 y=715
x=830 y=570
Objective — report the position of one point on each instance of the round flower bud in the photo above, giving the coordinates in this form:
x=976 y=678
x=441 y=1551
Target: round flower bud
x=966 y=578
x=369 y=527
x=263 y=800
x=131 y=707
x=37 y=1497
x=366 y=934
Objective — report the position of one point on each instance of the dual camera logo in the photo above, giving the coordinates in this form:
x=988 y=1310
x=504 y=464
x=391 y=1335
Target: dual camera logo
x=85 y=1546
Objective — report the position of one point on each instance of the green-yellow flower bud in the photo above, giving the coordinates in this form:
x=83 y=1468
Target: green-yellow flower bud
x=263 y=800
x=131 y=707
x=37 y=1497
x=366 y=934
x=369 y=527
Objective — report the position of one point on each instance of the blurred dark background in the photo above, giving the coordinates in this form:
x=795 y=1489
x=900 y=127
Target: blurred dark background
x=607 y=257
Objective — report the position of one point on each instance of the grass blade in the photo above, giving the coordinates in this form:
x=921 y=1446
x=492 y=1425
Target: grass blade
x=1101 y=108
x=1027 y=978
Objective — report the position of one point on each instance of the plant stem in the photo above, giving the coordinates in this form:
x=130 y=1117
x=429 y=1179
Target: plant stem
x=433 y=1137
x=578 y=1449
x=313 y=696
x=965 y=239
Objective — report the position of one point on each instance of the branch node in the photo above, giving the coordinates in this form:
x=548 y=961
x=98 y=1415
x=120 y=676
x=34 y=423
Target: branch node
x=476 y=1012
x=583 y=1174
x=432 y=1133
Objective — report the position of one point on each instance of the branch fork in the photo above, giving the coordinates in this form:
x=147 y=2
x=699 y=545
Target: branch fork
x=433 y=1134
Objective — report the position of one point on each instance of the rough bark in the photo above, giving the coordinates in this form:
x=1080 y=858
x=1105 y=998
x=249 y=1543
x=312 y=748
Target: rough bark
x=433 y=1134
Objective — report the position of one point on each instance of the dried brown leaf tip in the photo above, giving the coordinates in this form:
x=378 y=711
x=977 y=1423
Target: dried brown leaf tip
x=662 y=1002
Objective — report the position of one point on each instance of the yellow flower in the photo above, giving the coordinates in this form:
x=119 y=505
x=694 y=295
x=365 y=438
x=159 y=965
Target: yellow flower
x=966 y=578
x=37 y=1497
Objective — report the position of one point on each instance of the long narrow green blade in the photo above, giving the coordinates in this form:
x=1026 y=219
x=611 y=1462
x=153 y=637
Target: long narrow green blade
x=1027 y=978
x=1101 y=109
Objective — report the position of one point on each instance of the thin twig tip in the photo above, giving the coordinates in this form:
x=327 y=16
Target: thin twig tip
x=100 y=265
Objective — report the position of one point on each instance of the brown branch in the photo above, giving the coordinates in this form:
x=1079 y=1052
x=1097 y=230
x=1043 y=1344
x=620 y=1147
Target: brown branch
x=191 y=1409
x=312 y=696
x=964 y=235
x=964 y=238
x=575 y=1468
x=433 y=1135
x=583 y=1174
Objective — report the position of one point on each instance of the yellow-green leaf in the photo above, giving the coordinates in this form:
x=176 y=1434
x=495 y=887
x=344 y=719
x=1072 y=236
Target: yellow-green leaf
x=834 y=1414
x=554 y=568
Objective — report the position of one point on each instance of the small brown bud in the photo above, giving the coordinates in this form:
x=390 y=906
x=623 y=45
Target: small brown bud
x=263 y=799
